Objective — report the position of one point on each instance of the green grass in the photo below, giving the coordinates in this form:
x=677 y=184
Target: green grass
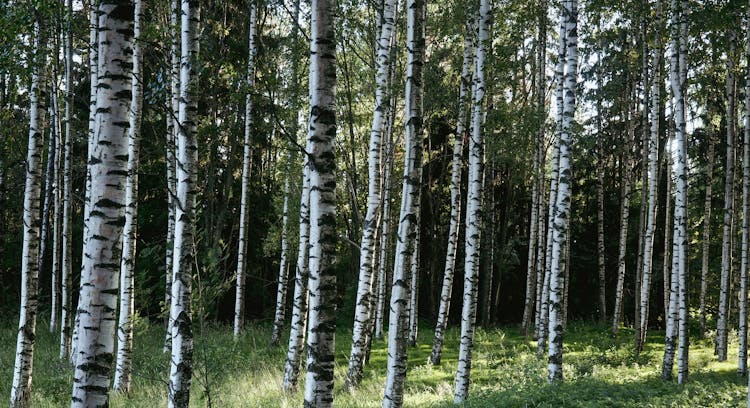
x=599 y=371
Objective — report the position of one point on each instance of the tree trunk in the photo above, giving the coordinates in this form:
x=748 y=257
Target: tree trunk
x=66 y=270
x=20 y=393
x=323 y=237
x=124 y=366
x=301 y=295
x=239 y=305
x=173 y=130
x=706 y=232
x=181 y=367
x=283 y=284
x=398 y=322
x=473 y=209
x=414 y=284
x=653 y=170
x=361 y=332
x=48 y=215
x=742 y=358
x=562 y=211
x=600 y=249
x=726 y=248
x=677 y=322
x=455 y=188
x=108 y=168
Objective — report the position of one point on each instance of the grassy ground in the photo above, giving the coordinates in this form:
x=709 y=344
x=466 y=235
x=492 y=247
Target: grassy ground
x=599 y=371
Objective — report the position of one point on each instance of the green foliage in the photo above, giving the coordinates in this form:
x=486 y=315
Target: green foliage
x=599 y=371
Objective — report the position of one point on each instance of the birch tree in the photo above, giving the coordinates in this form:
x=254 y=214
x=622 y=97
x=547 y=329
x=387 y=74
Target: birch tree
x=706 y=231
x=239 y=305
x=362 y=313
x=123 y=369
x=600 y=182
x=48 y=214
x=20 y=393
x=623 y=242
x=742 y=356
x=653 y=170
x=323 y=237
x=301 y=295
x=108 y=168
x=279 y=315
x=398 y=321
x=560 y=225
x=455 y=187
x=677 y=320
x=473 y=210
x=66 y=270
x=180 y=370
x=173 y=127
x=726 y=247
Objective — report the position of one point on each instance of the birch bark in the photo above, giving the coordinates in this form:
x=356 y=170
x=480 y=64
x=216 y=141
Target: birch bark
x=181 y=363
x=362 y=314
x=398 y=322
x=124 y=367
x=20 y=393
x=108 y=169
x=455 y=188
x=239 y=306
x=323 y=237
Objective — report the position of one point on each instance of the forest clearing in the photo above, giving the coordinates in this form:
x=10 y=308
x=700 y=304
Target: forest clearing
x=600 y=372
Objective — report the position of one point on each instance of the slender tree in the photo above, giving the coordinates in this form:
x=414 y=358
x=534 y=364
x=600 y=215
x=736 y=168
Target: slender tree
x=108 y=168
x=321 y=134
x=173 y=129
x=279 y=315
x=742 y=356
x=362 y=314
x=123 y=369
x=398 y=322
x=66 y=270
x=600 y=180
x=458 y=151
x=473 y=209
x=726 y=247
x=677 y=319
x=560 y=225
x=181 y=367
x=301 y=295
x=239 y=305
x=653 y=170
x=706 y=231
x=20 y=393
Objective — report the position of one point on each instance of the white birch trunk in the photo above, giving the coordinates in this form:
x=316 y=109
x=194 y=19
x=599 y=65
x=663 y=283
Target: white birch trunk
x=742 y=363
x=108 y=165
x=455 y=188
x=706 y=232
x=398 y=322
x=48 y=214
x=181 y=367
x=386 y=231
x=678 y=319
x=600 y=182
x=362 y=314
x=93 y=76
x=414 y=284
x=20 y=393
x=560 y=225
x=66 y=270
x=726 y=248
x=173 y=129
x=473 y=210
x=239 y=305
x=742 y=357
x=283 y=284
x=56 y=211
x=653 y=170
x=541 y=329
x=321 y=133
x=301 y=294
x=124 y=367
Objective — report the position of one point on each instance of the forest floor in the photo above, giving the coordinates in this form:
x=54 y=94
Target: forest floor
x=599 y=371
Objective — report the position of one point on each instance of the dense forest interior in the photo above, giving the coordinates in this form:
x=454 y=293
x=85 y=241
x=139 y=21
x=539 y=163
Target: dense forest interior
x=385 y=203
